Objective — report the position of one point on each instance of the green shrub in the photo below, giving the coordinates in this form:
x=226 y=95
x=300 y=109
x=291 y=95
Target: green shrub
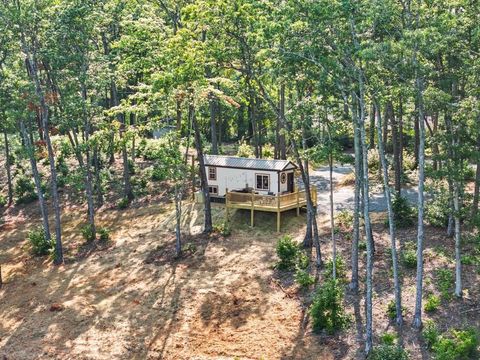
x=388 y=352
x=437 y=208
x=327 y=311
x=40 y=245
x=3 y=201
x=223 y=228
x=131 y=167
x=62 y=167
x=123 y=203
x=468 y=173
x=404 y=213
x=388 y=338
x=445 y=282
x=303 y=278
x=362 y=245
x=392 y=310
x=24 y=190
x=104 y=233
x=341 y=269
x=409 y=162
x=139 y=184
x=268 y=151
x=430 y=333
x=456 y=345
x=373 y=160
x=470 y=260
x=159 y=172
x=287 y=252
x=432 y=303
x=245 y=150
x=88 y=233
x=409 y=255
x=345 y=219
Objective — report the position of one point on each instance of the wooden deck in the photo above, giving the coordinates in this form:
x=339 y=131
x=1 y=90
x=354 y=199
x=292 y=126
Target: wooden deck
x=270 y=203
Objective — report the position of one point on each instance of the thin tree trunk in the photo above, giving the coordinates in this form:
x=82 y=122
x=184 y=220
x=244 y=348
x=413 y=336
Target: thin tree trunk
x=396 y=148
x=311 y=208
x=8 y=167
x=308 y=239
x=31 y=62
x=417 y=321
x=416 y=129
x=37 y=180
x=385 y=127
x=366 y=217
x=371 y=142
x=208 y=227
x=458 y=262
x=358 y=186
x=332 y=220
x=98 y=180
x=213 y=125
x=178 y=218
x=391 y=219
x=282 y=153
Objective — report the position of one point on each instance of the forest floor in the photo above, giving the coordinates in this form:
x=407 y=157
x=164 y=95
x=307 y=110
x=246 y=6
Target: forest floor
x=129 y=298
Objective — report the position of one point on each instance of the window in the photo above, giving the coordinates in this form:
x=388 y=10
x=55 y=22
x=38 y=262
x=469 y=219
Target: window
x=263 y=182
x=212 y=173
x=213 y=190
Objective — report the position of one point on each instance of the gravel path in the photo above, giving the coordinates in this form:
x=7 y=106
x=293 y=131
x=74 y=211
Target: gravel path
x=343 y=197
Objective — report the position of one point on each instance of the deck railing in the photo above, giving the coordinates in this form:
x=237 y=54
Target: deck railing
x=269 y=202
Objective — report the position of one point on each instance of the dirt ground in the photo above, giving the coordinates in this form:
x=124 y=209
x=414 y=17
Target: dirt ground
x=130 y=299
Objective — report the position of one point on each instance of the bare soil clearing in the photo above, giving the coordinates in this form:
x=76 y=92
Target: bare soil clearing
x=130 y=298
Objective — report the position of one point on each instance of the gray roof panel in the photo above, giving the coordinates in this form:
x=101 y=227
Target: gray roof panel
x=248 y=163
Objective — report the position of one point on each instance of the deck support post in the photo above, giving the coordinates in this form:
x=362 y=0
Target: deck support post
x=278 y=213
x=226 y=206
x=252 y=210
x=298 y=202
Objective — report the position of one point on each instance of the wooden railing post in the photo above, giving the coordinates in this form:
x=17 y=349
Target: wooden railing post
x=298 y=203
x=226 y=205
x=278 y=213
x=252 y=209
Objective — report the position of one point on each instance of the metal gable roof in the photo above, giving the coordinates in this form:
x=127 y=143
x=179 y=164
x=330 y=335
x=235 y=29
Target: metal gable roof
x=248 y=163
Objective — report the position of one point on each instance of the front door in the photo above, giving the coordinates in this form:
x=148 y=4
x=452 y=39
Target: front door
x=290 y=182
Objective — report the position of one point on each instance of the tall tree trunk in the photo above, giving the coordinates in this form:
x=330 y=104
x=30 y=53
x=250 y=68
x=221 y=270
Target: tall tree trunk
x=308 y=239
x=366 y=218
x=31 y=63
x=416 y=130
x=458 y=260
x=477 y=181
x=208 y=227
x=37 y=180
x=396 y=148
x=400 y=134
x=8 y=167
x=417 y=321
x=98 y=180
x=385 y=126
x=178 y=219
x=178 y=106
x=282 y=150
x=253 y=121
x=371 y=142
x=213 y=125
x=311 y=208
x=358 y=186
x=391 y=218
x=332 y=220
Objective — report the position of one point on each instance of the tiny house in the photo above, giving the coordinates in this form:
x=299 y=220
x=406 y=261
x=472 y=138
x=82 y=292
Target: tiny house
x=260 y=176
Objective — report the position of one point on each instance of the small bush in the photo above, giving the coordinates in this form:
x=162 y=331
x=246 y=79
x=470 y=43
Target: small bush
x=24 y=190
x=327 y=311
x=159 y=172
x=409 y=162
x=409 y=255
x=388 y=339
x=223 y=229
x=373 y=160
x=123 y=204
x=303 y=278
x=432 y=303
x=131 y=167
x=245 y=150
x=3 y=201
x=430 y=333
x=470 y=260
x=40 y=245
x=392 y=310
x=388 y=352
x=345 y=219
x=104 y=233
x=362 y=245
x=404 y=213
x=341 y=269
x=445 y=282
x=287 y=252
x=139 y=184
x=88 y=233
x=437 y=208
x=456 y=344
x=268 y=151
